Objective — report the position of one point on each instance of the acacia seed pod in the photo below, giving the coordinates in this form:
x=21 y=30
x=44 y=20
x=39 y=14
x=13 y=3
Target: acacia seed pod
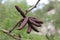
x=20 y=22
x=34 y=23
x=37 y=21
x=20 y=11
x=23 y=23
x=34 y=28
x=29 y=28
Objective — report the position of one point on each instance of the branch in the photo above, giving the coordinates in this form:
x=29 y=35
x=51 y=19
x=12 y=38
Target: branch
x=47 y=37
x=13 y=36
x=14 y=26
x=28 y=10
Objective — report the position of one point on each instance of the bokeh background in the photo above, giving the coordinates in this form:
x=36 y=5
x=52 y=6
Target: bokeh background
x=47 y=10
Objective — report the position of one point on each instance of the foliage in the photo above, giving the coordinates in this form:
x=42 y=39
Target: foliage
x=9 y=17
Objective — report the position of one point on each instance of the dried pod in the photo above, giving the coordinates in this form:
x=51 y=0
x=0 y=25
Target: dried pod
x=35 y=29
x=20 y=11
x=34 y=23
x=23 y=23
x=20 y=22
x=29 y=28
x=37 y=21
x=32 y=27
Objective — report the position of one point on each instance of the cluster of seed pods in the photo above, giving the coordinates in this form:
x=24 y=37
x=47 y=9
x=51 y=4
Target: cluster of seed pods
x=31 y=21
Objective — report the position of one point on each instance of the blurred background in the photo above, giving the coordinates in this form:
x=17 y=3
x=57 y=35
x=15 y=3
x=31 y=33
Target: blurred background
x=47 y=10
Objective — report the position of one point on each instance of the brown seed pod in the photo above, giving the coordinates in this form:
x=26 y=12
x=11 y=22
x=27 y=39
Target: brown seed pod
x=29 y=28
x=32 y=27
x=20 y=11
x=23 y=23
x=20 y=22
x=37 y=21
x=34 y=23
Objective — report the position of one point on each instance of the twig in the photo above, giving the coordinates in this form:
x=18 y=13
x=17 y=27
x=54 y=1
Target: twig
x=47 y=37
x=13 y=36
x=14 y=27
x=28 y=10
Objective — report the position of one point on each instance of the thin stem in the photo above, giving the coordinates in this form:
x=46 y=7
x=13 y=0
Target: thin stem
x=15 y=37
x=47 y=37
x=28 y=10
x=14 y=27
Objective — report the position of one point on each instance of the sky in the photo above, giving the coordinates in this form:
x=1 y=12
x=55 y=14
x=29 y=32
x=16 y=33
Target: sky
x=32 y=2
x=39 y=6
